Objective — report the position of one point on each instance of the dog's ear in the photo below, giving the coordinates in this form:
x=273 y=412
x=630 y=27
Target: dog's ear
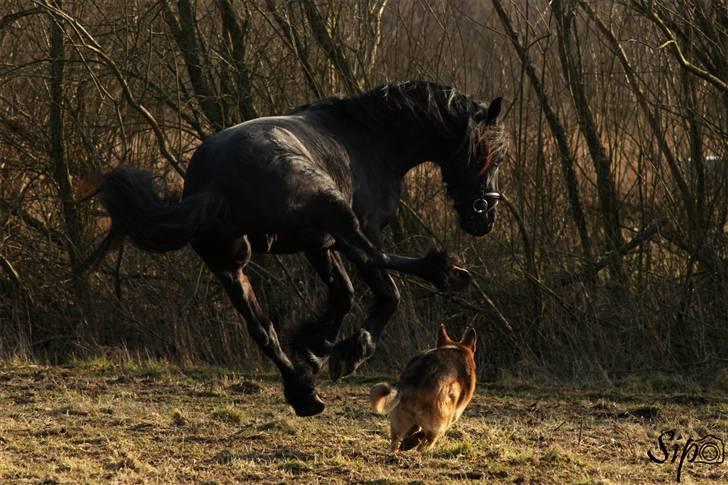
x=470 y=339
x=443 y=338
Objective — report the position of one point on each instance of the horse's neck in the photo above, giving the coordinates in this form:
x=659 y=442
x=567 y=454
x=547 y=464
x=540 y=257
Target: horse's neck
x=418 y=135
x=414 y=147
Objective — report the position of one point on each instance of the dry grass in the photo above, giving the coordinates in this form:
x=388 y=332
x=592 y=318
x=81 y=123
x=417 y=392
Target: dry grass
x=98 y=422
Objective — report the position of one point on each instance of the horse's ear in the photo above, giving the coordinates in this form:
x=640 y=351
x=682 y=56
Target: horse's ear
x=470 y=339
x=490 y=113
x=443 y=338
x=494 y=110
x=481 y=116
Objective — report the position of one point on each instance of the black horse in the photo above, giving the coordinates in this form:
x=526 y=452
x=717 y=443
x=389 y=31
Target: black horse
x=322 y=180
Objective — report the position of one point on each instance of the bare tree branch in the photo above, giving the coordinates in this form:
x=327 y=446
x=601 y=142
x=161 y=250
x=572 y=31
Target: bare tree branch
x=331 y=47
x=295 y=44
x=558 y=131
x=674 y=46
x=185 y=35
x=642 y=100
x=96 y=48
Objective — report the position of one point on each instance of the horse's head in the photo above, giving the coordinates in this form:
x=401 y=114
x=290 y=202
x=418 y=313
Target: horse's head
x=471 y=175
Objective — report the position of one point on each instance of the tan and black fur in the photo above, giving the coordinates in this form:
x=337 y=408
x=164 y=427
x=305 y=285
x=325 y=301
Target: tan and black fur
x=432 y=392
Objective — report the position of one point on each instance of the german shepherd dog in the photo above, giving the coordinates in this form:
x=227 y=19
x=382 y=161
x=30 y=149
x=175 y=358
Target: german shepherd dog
x=431 y=394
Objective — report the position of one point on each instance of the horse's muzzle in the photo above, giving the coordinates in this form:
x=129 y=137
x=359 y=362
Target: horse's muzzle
x=478 y=226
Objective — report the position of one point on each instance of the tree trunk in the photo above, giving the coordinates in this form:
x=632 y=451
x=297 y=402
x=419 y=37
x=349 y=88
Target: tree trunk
x=331 y=47
x=559 y=133
x=61 y=173
x=608 y=204
x=236 y=31
x=185 y=35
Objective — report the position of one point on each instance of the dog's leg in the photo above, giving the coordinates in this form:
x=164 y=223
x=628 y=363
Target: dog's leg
x=428 y=440
x=413 y=439
x=402 y=428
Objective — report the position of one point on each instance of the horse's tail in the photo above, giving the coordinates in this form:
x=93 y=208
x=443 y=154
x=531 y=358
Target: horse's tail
x=137 y=212
x=384 y=397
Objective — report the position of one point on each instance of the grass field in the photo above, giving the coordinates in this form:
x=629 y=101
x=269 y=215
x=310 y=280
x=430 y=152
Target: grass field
x=99 y=422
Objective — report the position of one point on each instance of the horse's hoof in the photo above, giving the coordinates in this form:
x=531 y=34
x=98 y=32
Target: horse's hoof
x=312 y=345
x=445 y=273
x=302 y=396
x=307 y=358
x=459 y=278
x=340 y=366
x=311 y=407
x=349 y=354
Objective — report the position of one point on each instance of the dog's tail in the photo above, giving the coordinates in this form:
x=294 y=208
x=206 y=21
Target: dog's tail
x=384 y=397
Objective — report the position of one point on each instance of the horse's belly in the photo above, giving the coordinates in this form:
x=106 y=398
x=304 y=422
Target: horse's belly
x=289 y=243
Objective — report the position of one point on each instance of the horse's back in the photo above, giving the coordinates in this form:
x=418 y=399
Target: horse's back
x=273 y=174
x=288 y=151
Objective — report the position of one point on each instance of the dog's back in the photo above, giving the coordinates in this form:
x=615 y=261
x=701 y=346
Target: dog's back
x=431 y=394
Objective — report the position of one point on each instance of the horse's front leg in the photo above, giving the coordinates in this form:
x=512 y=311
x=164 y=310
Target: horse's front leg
x=351 y=352
x=315 y=338
x=437 y=266
x=365 y=252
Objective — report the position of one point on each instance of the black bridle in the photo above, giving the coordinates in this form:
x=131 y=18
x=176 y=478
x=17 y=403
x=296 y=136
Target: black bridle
x=487 y=200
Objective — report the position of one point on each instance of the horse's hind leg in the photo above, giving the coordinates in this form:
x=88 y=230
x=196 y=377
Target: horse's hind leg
x=315 y=338
x=297 y=383
x=353 y=351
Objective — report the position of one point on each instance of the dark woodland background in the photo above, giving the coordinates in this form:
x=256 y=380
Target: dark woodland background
x=609 y=256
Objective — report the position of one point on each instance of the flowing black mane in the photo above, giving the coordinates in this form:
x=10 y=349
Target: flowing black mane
x=421 y=102
x=426 y=105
